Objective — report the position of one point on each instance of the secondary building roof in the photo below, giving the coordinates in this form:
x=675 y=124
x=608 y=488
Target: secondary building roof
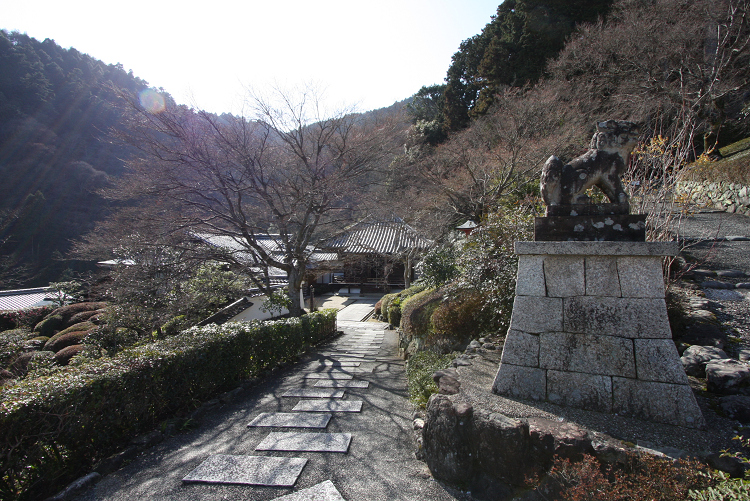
x=385 y=238
x=19 y=299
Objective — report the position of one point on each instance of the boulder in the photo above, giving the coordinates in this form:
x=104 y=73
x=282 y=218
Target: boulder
x=727 y=376
x=715 y=284
x=703 y=334
x=695 y=358
x=447 y=381
x=736 y=407
x=447 y=440
x=730 y=273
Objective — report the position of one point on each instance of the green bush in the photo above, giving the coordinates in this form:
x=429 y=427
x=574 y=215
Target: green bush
x=391 y=304
x=457 y=319
x=419 y=371
x=175 y=325
x=27 y=317
x=417 y=312
x=49 y=325
x=83 y=327
x=84 y=412
x=11 y=345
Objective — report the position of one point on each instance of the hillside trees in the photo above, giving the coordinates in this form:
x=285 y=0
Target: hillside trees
x=292 y=174
x=56 y=108
x=512 y=50
x=468 y=175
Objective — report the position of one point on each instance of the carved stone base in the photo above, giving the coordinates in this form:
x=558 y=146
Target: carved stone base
x=588 y=210
x=589 y=329
x=617 y=228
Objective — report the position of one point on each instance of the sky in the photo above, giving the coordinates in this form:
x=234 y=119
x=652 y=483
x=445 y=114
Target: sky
x=207 y=54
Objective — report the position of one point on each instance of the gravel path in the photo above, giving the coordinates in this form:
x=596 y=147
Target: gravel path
x=711 y=243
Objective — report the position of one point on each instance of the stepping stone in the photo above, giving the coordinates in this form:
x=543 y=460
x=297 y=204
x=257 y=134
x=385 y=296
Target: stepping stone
x=737 y=238
x=332 y=383
x=724 y=295
x=731 y=273
x=248 y=470
x=291 y=419
x=328 y=406
x=324 y=491
x=314 y=393
x=305 y=442
x=339 y=363
x=336 y=354
x=329 y=375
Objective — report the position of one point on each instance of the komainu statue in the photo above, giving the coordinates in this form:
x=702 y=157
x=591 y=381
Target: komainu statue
x=601 y=166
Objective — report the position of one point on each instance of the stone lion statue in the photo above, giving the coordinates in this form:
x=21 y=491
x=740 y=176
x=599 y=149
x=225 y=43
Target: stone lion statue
x=601 y=166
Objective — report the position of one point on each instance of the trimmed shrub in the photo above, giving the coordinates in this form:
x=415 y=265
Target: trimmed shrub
x=59 y=342
x=419 y=371
x=26 y=318
x=69 y=311
x=82 y=413
x=63 y=356
x=84 y=327
x=175 y=325
x=84 y=316
x=456 y=320
x=12 y=343
x=49 y=325
x=417 y=312
x=639 y=477
x=20 y=366
x=112 y=339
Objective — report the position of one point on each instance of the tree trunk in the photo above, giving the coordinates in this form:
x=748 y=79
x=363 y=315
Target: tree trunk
x=407 y=272
x=293 y=287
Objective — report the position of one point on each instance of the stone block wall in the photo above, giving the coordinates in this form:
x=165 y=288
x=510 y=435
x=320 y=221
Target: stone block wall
x=589 y=329
x=729 y=197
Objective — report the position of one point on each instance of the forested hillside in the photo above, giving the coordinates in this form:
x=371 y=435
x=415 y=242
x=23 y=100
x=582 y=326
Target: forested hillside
x=56 y=108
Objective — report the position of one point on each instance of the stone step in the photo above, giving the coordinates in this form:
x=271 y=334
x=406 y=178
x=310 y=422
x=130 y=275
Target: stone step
x=333 y=383
x=305 y=442
x=248 y=470
x=314 y=393
x=322 y=405
x=290 y=420
x=324 y=491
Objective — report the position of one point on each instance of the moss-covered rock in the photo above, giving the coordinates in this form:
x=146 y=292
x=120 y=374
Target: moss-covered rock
x=63 y=356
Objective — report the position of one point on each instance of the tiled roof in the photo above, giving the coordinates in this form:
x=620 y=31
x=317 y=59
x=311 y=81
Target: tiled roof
x=24 y=298
x=381 y=238
x=236 y=247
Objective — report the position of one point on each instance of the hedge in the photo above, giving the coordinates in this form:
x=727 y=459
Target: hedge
x=52 y=428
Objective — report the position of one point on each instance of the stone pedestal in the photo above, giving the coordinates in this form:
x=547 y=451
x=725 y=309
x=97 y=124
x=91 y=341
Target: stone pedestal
x=589 y=329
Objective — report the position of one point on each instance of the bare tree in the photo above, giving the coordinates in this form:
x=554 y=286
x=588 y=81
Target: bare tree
x=290 y=175
x=467 y=175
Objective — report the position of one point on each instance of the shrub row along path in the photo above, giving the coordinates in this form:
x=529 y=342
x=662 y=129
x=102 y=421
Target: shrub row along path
x=352 y=389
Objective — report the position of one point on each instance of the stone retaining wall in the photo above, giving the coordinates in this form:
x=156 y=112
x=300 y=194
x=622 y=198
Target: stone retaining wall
x=729 y=197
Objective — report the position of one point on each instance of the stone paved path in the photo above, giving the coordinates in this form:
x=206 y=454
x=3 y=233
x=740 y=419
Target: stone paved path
x=365 y=452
